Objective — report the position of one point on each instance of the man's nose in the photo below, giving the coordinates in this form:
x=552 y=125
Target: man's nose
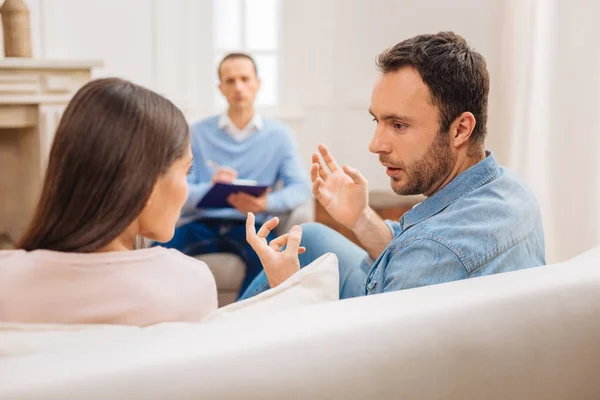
x=379 y=144
x=239 y=85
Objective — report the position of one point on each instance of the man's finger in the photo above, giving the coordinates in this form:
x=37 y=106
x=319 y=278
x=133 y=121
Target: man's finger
x=323 y=172
x=246 y=197
x=314 y=172
x=329 y=160
x=267 y=227
x=293 y=241
x=316 y=159
x=232 y=199
x=355 y=174
x=240 y=206
x=243 y=205
x=233 y=196
x=224 y=175
x=229 y=170
x=318 y=190
x=317 y=187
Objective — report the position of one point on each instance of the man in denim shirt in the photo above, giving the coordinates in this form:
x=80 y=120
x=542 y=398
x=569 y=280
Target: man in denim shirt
x=430 y=107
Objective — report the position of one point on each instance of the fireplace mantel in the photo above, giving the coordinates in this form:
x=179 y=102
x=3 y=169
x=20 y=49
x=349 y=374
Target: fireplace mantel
x=33 y=95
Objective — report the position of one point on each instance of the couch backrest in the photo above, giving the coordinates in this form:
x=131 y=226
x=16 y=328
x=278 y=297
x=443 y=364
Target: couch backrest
x=530 y=334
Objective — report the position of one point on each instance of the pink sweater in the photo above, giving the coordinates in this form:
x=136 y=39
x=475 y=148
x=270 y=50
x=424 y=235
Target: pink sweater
x=139 y=287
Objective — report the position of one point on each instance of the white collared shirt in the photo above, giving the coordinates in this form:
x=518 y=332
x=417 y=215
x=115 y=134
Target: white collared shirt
x=240 y=134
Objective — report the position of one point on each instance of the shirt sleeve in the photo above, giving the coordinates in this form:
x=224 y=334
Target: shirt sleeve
x=394 y=226
x=423 y=262
x=296 y=188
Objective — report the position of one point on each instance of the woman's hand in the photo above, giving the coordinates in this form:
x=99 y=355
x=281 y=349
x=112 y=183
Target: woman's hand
x=278 y=265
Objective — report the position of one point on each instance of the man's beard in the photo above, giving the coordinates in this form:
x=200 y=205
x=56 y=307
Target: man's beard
x=436 y=164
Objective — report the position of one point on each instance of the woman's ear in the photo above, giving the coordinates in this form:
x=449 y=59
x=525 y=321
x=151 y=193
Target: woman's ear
x=153 y=193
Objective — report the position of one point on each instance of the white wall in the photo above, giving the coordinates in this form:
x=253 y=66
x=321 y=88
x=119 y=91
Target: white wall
x=328 y=50
x=162 y=44
x=328 y=53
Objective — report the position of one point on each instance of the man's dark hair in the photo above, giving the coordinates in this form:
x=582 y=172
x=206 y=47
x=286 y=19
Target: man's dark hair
x=456 y=75
x=232 y=56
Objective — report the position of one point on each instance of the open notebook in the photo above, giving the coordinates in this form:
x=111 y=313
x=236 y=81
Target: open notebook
x=216 y=197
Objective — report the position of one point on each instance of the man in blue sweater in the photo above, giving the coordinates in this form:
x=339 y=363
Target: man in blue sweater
x=239 y=144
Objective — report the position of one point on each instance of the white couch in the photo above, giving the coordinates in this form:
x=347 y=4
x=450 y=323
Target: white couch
x=531 y=334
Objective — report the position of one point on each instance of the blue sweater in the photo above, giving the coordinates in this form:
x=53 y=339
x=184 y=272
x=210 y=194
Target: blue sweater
x=269 y=155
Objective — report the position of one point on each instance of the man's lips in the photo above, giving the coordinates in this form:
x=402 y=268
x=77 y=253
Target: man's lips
x=392 y=170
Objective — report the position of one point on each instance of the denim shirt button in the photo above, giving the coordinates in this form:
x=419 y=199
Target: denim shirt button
x=371 y=285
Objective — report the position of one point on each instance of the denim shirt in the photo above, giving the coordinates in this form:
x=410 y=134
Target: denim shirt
x=483 y=222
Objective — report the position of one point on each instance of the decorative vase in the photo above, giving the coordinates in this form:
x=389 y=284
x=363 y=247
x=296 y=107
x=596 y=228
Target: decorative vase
x=15 y=25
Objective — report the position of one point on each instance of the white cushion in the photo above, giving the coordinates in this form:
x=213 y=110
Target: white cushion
x=313 y=284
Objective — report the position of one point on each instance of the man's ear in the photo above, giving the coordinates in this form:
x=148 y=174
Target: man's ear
x=462 y=128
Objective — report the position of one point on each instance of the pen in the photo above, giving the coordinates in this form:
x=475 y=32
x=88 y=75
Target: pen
x=212 y=164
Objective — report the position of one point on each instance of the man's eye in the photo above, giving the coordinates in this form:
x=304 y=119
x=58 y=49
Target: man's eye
x=398 y=126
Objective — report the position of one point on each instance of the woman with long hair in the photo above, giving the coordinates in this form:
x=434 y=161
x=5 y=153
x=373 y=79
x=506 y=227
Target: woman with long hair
x=116 y=173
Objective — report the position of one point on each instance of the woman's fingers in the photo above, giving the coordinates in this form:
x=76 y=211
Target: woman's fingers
x=267 y=227
x=293 y=241
x=250 y=228
x=252 y=238
x=277 y=243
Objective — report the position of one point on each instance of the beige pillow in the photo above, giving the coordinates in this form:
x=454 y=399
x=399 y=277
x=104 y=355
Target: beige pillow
x=318 y=282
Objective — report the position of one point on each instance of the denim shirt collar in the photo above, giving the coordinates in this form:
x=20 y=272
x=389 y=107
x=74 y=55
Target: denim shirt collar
x=479 y=174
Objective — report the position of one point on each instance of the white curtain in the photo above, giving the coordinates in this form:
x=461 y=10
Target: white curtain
x=550 y=82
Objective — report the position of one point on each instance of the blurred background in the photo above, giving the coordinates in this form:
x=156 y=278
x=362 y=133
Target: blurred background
x=316 y=60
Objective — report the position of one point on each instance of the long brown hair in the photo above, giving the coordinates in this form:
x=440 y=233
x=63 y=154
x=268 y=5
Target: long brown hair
x=113 y=142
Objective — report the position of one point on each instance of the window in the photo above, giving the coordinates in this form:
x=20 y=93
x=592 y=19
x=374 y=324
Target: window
x=249 y=26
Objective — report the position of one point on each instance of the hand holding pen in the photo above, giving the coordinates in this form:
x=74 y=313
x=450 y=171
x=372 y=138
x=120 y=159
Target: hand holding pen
x=222 y=174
